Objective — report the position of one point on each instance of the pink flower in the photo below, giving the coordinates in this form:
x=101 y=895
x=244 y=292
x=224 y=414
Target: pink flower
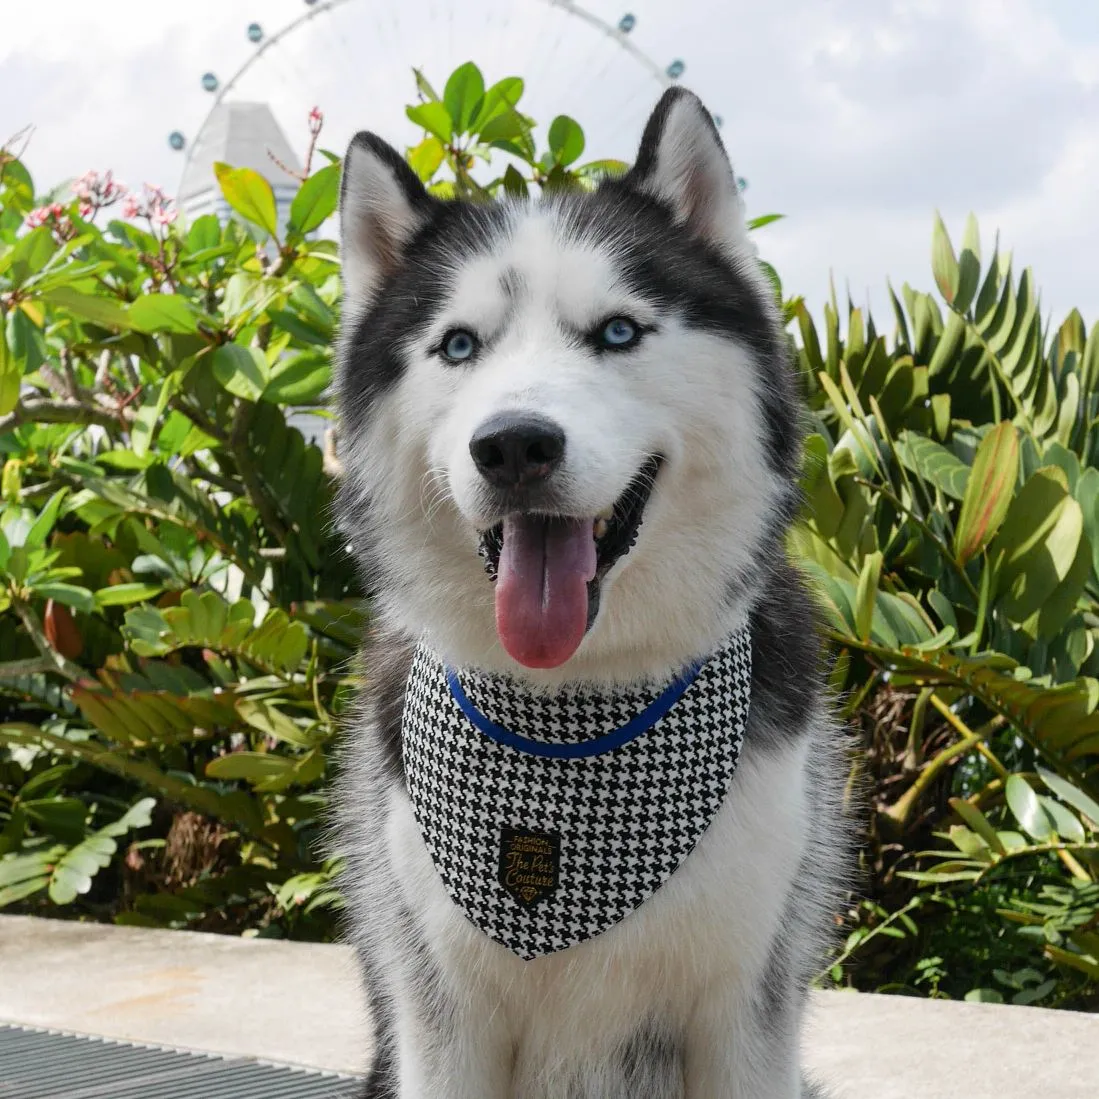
x=152 y=204
x=96 y=191
x=52 y=215
x=86 y=209
x=316 y=121
x=86 y=185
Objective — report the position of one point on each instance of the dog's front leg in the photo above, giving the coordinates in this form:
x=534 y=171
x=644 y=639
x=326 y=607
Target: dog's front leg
x=738 y=1049
x=445 y=1058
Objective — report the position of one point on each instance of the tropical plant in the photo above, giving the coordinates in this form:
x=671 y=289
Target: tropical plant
x=953 y=529
x=178 y=617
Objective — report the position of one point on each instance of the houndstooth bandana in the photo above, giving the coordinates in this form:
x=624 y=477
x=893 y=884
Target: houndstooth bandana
x=550 y=818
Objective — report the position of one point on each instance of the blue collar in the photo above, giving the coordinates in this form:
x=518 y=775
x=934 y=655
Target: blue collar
x=597 y=746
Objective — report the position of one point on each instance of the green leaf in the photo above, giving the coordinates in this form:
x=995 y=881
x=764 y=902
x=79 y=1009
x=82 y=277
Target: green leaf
x=425 y=159
x=316 y=200
x=78 y=598
x=764 y=219
x=1027 y=809
x=103 y=311
x=148 y=415
x=61 y=817
x=932 y=462
x=463 y=94
x=301 y=379
x=121 y=595
x=978 y=822
x=566 y=140
x=250 y=195
x=505 y=127
x=969 y=266
x=951 y=341
x=604 y=168
x=22 y=876
x=272 y=722
x=1067 y=825
x=1072 y=795
x=11 y=373
x=241 y=370
x=47 y=517
x=1087 y=494
x=943 y=263
x=983 y=996
x=866 y=593
x=434 y=118
x=514 y=183
x=30 y=254
x=204 y=233
x=73 y=873
x=424 y=87
x=988 y=491
x=254 y=767
x=163 y=313
x=503 y=96
x=11 y=894
x=1037 y=544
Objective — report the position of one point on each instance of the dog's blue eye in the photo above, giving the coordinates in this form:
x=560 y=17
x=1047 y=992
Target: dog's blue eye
x=459 y=345
x=619 y=332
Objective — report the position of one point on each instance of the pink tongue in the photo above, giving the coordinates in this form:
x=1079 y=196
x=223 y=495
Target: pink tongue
x=542 y=588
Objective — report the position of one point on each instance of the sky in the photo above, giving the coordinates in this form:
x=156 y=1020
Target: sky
x=857 y=119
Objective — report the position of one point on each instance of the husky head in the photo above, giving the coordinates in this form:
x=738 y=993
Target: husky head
x=567 y=425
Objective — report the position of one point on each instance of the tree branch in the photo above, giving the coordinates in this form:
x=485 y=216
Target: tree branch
x=41 y=410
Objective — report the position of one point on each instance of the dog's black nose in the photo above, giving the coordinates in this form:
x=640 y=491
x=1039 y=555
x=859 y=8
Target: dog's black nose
x=513 y=448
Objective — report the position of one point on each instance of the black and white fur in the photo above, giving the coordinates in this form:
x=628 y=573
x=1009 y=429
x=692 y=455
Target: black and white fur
x=698 y=994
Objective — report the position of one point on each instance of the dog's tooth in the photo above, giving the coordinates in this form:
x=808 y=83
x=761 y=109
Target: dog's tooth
x=600 y=527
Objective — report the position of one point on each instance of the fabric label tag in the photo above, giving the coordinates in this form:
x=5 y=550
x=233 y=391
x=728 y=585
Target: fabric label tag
x=529 y=864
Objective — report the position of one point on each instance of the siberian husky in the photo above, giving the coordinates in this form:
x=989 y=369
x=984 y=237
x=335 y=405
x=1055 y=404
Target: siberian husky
x=569 y=433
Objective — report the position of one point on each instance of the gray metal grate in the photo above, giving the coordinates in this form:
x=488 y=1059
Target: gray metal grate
x=45 y=1064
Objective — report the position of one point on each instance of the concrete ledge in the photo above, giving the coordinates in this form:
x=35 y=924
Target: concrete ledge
x=299 y=1003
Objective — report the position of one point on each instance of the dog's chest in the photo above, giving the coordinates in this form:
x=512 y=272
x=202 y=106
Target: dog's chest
x=549 y=821
x=711 y=926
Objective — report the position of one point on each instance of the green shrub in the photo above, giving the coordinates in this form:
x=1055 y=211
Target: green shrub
x=953 y=528
x=178 y=618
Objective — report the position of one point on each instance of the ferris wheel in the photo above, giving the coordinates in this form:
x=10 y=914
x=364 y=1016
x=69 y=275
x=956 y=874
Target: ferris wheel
x=353 y=58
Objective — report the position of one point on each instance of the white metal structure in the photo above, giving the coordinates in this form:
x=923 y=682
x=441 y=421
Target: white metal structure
x=354 y=60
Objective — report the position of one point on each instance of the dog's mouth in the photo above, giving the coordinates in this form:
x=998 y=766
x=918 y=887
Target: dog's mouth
x=548 y=570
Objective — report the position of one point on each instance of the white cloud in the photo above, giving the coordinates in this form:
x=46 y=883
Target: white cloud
x=857 y=118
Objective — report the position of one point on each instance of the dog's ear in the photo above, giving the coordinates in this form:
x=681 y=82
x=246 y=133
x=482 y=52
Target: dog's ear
x=682 y=164
x=382 y=205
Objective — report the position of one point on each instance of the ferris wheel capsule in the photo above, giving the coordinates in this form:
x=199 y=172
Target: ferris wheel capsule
x=676 y=69
x=209 y=82
x=255 y=32
x=627 y=23
x=176 y=140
